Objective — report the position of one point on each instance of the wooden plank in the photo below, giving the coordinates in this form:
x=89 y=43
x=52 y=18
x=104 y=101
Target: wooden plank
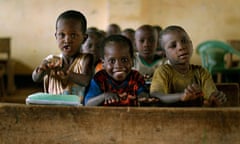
x=118 y=125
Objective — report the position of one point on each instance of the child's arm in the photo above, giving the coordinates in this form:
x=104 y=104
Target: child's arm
x=192 y=92
x=86 y=75
x=104 y=98
x=40 y=71
x=49 y=63
x=167 y=98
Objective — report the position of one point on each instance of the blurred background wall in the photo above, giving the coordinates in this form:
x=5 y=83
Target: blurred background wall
x=31 y=23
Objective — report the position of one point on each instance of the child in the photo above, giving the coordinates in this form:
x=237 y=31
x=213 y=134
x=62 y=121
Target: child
x=71 y=71
x=93 y=45
x=117 y=84
x=146 y=59
x=113 y=29
x=130 y=33
x=159 y=50
x=180 y=83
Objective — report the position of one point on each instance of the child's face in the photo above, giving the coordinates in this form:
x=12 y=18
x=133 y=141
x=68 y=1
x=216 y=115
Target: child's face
x=69 y=36
x=117 y=60
x=178 y=47
x=146 y=42
x=92 y=46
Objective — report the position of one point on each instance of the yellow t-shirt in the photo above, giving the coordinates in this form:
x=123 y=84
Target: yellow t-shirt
x=167 y=80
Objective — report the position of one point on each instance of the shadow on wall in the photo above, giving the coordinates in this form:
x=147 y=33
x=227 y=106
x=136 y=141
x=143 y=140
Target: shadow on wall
x=21 y=68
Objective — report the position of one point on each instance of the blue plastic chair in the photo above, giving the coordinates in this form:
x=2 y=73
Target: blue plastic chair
x=212 y=55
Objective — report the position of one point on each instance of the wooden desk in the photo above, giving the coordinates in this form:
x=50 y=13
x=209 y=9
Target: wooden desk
x=20 y=123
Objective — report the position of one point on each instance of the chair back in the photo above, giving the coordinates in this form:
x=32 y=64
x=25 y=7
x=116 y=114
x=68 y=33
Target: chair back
x=212 y=54
x=5 y=49
x=232 y=93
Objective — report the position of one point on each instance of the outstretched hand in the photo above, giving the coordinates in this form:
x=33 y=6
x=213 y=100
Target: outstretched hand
x=48 y=65
x=110 y=98
x=192 y=92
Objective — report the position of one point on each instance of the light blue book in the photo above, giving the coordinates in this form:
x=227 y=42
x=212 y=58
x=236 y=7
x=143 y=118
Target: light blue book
x=52 y=99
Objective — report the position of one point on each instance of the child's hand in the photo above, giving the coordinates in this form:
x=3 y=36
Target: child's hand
x=217 y=98
x=192 y=92
x=124 y=96
x=111 y=98
x=54 y=63
x=51 y=63
x=144 y=98
x=60 y=75
x=148 y=77
x=43 y=67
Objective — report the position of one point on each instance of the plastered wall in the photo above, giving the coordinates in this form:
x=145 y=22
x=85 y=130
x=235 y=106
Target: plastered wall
x=31 y=24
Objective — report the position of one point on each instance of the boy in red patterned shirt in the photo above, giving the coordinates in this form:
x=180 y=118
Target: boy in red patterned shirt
x=117 y=84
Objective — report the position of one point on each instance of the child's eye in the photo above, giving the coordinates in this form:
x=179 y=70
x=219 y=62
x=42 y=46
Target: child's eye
x=141 y=41
x=73 y=35
x=174 y=45
x=124 y=60
x=60 y=35
x=151 y=40
x=185 y=41
x=112 y=61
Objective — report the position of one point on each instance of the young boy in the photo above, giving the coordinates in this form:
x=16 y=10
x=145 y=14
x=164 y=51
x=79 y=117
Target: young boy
x=113 y=29
x=130 y=33
x=147 y=60
x=71 y=71
x=93 y=46
x=117 y=84
x=180 y=83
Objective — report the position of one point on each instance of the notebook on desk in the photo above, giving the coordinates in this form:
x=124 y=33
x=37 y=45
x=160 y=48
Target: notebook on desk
x=51 y=99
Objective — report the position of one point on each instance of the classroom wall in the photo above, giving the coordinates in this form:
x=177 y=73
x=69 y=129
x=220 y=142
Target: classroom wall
x=31 y=24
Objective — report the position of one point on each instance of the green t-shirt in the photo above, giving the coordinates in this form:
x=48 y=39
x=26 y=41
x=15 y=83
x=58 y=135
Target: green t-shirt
x=167 y=80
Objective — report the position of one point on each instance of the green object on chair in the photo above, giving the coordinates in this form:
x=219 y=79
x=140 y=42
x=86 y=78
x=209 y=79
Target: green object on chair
x=212 y=53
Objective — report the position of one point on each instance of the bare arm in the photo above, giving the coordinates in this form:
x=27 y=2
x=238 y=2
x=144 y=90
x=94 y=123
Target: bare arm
x=96 y=101
x=40 y=72
x=86 y=75
x=168 y=98
x=106 y=98
x=191 y=92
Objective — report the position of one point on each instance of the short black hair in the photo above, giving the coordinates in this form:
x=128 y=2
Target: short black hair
x=130 y=30
x=76 y=15
x=120 y=39
x=169 y=29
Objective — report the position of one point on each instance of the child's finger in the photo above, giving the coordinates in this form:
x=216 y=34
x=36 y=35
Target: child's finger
x=132 y=97
x=221 y=97
x=190 y=89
